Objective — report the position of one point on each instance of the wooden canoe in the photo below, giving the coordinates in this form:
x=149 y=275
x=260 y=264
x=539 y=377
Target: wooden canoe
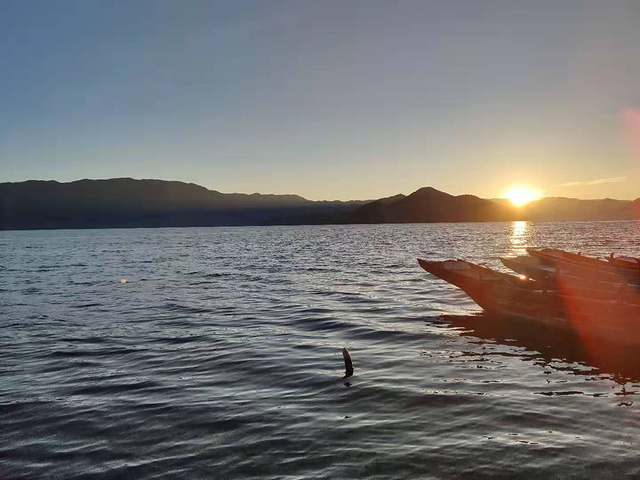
x=613 y=320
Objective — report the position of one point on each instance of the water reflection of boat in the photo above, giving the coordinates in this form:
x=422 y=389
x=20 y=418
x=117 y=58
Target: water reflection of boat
x=590 y=314
x=552 y=345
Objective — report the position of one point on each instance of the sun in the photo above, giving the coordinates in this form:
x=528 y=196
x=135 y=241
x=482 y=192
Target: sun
x=520 y=196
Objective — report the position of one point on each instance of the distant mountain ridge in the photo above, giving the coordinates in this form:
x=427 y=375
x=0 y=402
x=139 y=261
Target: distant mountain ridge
x=573 y=209
x=428 y=205
x=126 y=202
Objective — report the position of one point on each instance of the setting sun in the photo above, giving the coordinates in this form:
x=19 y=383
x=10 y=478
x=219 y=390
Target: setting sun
x=520 y=196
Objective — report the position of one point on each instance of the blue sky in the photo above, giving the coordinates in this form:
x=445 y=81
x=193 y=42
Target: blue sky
x=330 y=99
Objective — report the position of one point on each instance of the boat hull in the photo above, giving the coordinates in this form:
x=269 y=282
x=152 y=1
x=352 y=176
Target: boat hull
x=590 y=286
x=610 y=320
x=587 y=267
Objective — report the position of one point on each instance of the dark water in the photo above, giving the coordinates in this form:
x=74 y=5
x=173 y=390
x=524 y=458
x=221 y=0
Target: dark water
x=221 y=357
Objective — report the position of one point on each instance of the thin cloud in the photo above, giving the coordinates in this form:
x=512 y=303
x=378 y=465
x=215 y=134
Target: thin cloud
x=597 y=181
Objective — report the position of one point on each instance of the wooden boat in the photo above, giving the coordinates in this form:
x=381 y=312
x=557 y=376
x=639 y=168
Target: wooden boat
x=531 y=267
x=616 y=320
x=553 y=255
x=560 y=277
x=583 y=266
x=625 y=262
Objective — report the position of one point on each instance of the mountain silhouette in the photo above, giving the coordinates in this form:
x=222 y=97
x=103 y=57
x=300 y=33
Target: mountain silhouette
x=125 y=202
x=573 y=209
x=428 y=205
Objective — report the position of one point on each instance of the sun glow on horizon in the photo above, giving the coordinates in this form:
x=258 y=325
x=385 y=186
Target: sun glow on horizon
x=520 y=196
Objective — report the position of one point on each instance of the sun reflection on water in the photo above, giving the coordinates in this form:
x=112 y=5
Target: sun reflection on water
x=519 y=238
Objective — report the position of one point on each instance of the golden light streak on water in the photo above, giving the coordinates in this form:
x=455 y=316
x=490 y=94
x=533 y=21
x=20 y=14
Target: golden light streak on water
x=519 y=238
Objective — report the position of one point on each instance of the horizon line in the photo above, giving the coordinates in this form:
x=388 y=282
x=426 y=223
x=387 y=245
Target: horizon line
x=492 y=198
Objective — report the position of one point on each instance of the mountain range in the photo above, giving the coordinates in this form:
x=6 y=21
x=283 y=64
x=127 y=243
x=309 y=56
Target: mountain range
x=125 y=202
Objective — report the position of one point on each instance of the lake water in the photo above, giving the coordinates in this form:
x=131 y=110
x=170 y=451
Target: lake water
x=221 y=357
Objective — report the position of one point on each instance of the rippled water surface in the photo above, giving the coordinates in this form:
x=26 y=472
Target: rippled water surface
x=220 y=356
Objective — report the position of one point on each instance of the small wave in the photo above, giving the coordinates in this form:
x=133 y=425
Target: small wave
x=88 y=305
x=377 y=334
x=323 y=324
x=571 y=392
x=111 y=388
x=20 y=405
x=216 y=275
x=79 y=353
x=176 y=307
x=47 y=268
x=203 y=282
x=181 y=340
x=92 y=340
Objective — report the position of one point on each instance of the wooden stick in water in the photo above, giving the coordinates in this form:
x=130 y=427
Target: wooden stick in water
x=348 y=364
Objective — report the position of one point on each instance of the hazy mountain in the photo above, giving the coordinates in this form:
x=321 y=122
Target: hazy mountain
x=371 y=212
x=567 y=209
x=429 y=205
x=127 y=192
x=125 y=202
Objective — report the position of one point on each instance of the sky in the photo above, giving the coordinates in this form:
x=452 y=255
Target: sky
x=326 y=99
